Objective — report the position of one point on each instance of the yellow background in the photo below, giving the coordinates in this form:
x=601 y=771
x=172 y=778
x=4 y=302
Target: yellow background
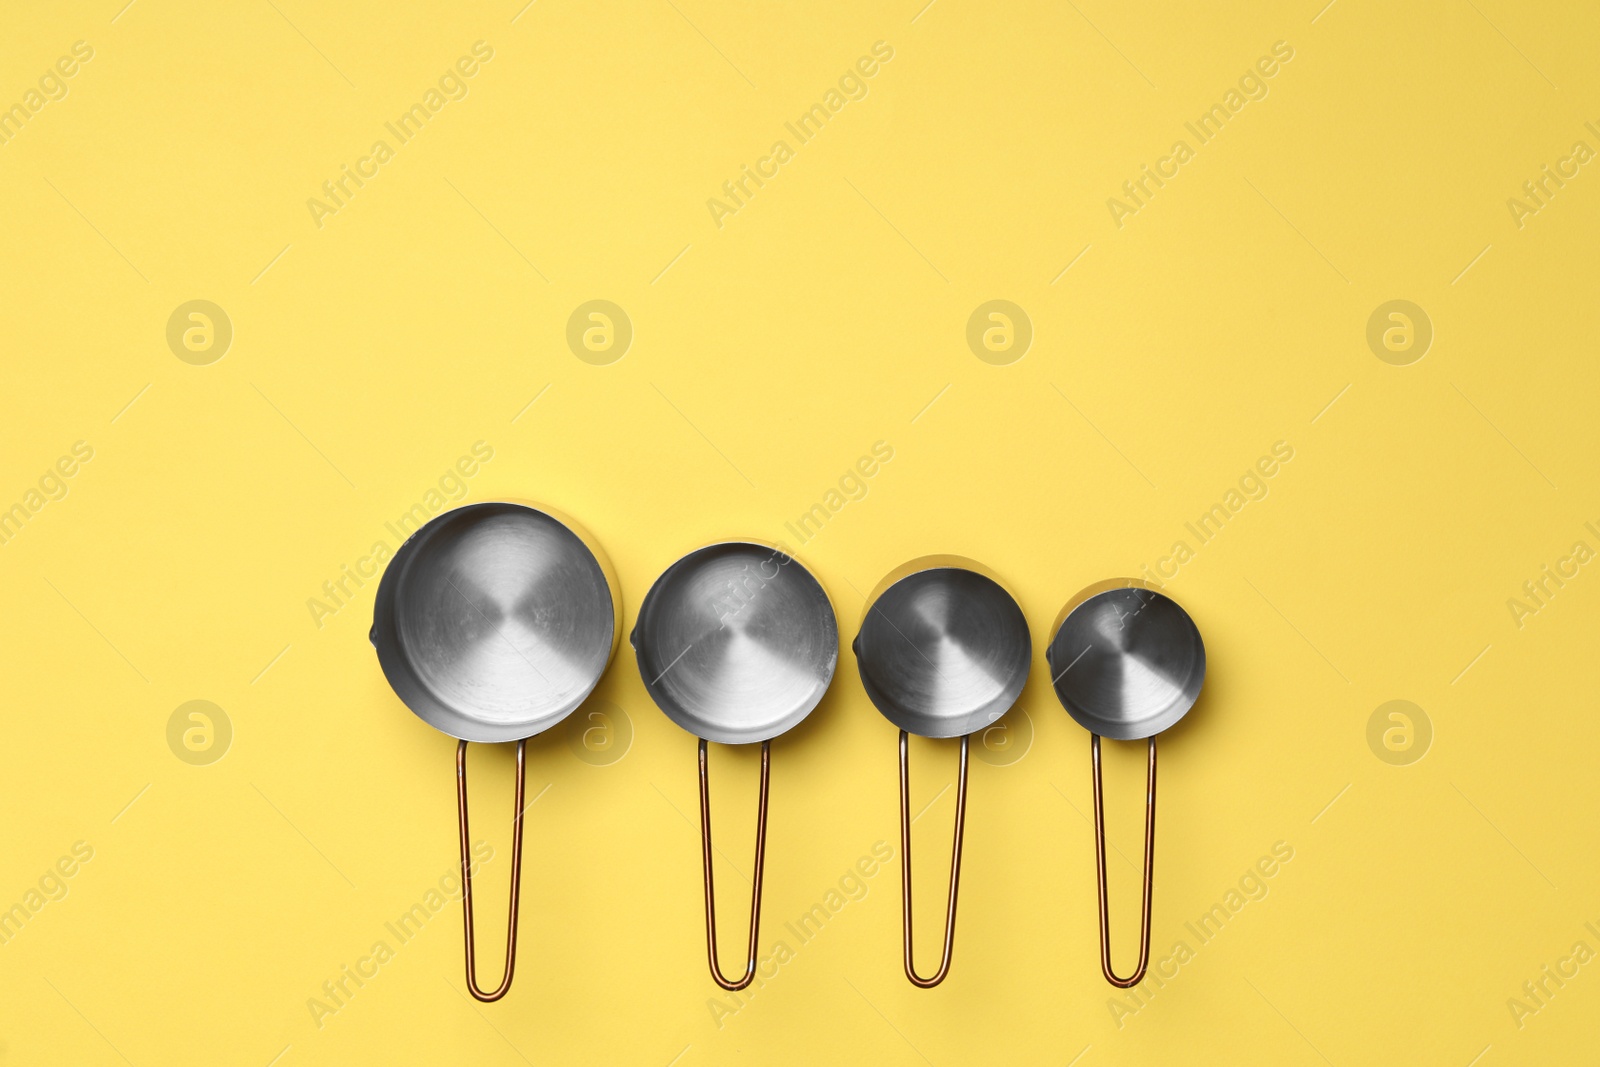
x=768 y=355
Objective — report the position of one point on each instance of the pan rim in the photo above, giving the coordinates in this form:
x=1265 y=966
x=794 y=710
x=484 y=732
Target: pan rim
x=671 y=707
x=1148 y=725
x=964 y=723
x=398 y=665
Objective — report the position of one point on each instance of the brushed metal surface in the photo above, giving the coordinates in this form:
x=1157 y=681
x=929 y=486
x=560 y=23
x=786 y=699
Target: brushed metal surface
x=494 y=621
x=736 y=642
x=943 y=651
x=1126 y=662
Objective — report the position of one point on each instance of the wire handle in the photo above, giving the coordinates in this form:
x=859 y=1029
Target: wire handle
x=905 y=866
x=755 y=895
x=466 y=872
x=1149 y=864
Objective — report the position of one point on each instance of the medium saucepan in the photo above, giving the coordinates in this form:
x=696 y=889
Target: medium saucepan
x=737 y=643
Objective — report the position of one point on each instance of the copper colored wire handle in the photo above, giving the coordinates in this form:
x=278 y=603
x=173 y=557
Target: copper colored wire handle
x=1149 y=864
x=755 y=895
x=905 y=867
x=466 y=873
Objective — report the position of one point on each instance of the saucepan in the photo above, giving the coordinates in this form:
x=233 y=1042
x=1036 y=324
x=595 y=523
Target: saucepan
x=1127 y=663
x=493 y=622
x=737 y=643
x=943 y=652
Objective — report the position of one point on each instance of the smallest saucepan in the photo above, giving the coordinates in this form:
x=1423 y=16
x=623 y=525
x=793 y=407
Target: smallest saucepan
x=1127 y=663
x=737 y=643
x=943 y=652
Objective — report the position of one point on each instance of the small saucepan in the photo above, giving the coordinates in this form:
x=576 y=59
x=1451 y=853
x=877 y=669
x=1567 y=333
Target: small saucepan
x=1127 y=663
x=943 y=651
